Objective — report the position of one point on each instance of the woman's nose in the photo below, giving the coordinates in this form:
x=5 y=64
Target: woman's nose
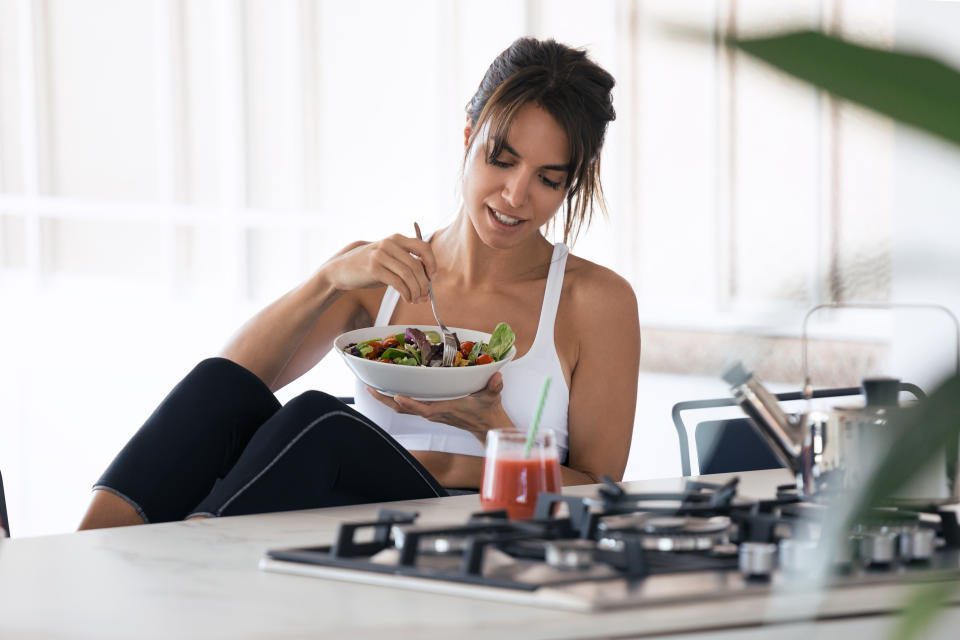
x=516 y=190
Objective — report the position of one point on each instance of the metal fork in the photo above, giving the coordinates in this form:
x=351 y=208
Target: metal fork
x=450 y=343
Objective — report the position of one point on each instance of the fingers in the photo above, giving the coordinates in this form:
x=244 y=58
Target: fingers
x=386 y=400
x=394 y=255
x=407 y=279
x=421 y=249
x=403 y=404
x=415 y=407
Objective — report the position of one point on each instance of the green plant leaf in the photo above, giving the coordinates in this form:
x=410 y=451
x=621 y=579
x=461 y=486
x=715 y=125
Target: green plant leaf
x=924 y=604
x=913 y=89
x=925 y=93
x=932 y=428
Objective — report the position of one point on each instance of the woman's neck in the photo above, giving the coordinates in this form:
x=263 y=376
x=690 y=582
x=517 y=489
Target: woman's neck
x=475 y=265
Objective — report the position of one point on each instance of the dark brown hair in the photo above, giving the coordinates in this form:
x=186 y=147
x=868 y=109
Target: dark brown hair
x=571 y=88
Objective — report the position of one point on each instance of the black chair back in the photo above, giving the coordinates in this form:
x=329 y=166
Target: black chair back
x=733 y=444
x=742 y=448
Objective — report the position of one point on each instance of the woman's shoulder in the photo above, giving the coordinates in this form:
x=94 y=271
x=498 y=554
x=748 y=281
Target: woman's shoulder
x=597 y=295
x=589 y=280
x=597 y=303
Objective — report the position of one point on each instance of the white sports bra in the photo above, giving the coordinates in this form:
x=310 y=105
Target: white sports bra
x=522 y=381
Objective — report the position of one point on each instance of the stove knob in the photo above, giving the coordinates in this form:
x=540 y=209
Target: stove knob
x=843 y=554
x=878 y=547
x=757 y=559
x=916 y=544
x=797 y=556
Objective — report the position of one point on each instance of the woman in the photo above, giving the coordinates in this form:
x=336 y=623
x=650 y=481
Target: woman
x=220 y=443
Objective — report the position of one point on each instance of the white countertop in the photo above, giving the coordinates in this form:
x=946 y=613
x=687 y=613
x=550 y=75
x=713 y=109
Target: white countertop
x=201 y=578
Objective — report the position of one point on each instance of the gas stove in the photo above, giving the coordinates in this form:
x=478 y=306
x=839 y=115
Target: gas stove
x=618 y=549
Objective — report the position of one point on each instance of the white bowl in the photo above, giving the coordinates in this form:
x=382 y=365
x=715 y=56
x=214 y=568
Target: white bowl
x=419 y=383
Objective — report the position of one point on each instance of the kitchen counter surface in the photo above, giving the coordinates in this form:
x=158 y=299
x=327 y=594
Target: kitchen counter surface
x=201 y=578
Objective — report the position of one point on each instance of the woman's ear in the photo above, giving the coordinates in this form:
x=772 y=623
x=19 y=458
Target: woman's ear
x=467 y=130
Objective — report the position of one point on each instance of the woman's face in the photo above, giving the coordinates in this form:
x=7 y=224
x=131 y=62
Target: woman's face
x=508 y=198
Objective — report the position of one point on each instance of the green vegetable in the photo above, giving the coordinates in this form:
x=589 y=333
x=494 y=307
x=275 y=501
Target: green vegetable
x=501 y=341
x=392 y=353
x=408 y=361
x=433 y=337
x=365 y=349
x=475 y=352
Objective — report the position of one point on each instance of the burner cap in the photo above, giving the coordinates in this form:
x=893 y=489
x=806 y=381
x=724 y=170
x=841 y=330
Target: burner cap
x=570 y=554
x=669 y=533
x=659 y=524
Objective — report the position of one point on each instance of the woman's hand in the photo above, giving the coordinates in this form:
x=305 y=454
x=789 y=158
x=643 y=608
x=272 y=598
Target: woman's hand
x=477 y=413
x=396 y=261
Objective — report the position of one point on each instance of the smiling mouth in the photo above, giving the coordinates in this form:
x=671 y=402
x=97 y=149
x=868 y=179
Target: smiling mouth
x=504 y=219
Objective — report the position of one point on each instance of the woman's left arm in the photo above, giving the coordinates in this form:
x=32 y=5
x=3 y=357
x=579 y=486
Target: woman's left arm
x=603 y=384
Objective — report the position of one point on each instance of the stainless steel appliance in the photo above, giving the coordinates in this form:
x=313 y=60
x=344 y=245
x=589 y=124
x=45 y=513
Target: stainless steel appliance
x=828 y=451
x=618 y=549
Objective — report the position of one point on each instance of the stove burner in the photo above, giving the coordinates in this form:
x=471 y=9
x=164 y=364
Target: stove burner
x=669 y=533
x=664 y=524
x=570 y=554
x=629 y=538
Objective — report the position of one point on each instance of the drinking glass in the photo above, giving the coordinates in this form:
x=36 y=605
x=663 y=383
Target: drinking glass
x=513 y=481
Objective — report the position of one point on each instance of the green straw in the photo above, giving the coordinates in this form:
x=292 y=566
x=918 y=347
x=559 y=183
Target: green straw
x=532 y=431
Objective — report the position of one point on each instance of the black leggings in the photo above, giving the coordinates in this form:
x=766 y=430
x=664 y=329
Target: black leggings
x=220 y=444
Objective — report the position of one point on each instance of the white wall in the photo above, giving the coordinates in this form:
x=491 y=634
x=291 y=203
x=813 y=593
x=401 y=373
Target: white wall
x=926 y=249
x=167 y=167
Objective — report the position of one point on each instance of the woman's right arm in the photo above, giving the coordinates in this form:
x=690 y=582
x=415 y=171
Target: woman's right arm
x=288 y=337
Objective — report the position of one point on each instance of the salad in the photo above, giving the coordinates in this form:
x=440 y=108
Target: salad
x=415 y=348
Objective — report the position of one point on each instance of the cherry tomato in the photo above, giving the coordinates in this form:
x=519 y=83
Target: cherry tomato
x=390 y=342
x=465 y=348
x=484 y=359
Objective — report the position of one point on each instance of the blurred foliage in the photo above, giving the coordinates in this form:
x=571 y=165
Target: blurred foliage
x=909 y=88
x=924 y=93
x=921 y=609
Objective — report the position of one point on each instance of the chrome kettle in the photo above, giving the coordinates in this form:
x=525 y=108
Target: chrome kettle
x=837 y=449
x=795 y=439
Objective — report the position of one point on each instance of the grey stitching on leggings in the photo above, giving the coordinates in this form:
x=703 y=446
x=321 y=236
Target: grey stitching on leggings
x=292 y=442
x=201 y=513
x=133 y=504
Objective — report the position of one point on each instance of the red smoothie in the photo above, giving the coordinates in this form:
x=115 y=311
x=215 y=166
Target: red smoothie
x=513 y=483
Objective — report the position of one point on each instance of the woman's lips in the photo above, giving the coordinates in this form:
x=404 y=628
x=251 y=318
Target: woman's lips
x=503 y=225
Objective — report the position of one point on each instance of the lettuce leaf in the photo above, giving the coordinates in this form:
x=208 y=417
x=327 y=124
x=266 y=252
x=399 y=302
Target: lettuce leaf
x=427 y=351
x=392 y=353
x=475 y=352
x=501 y=341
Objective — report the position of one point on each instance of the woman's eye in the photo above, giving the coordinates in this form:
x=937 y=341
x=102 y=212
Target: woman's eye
x=550 y=183
x=498 y=163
